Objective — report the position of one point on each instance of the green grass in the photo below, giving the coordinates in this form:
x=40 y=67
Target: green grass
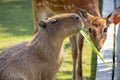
x=16 y=25
x=16 y=22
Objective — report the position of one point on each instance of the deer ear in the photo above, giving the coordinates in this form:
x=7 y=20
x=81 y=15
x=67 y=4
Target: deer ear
x=42 y=24
x=83 y=13
x=110 y=17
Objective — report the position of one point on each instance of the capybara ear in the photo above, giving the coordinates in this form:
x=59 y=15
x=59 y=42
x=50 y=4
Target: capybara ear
x=42 y=24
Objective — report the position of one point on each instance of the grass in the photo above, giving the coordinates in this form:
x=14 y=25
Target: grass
x=16 y=25
x=16 y=22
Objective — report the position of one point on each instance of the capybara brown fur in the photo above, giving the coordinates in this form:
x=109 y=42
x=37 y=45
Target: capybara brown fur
x=40 y=58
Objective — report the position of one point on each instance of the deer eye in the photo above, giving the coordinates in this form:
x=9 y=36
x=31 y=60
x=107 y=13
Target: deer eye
x=95 y=24
x=90 y=30
x=54 y=21
x=105 y=30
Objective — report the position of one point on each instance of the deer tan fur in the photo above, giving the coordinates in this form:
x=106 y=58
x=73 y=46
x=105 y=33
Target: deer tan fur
x=40 y=58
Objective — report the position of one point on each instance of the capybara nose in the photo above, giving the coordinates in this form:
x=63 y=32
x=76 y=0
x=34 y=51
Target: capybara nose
x=76 y=18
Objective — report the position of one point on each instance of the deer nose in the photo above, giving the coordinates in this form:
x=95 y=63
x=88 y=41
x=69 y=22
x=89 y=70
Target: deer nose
x=99 y=48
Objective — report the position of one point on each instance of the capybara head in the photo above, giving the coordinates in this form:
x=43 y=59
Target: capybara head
x=62 y=25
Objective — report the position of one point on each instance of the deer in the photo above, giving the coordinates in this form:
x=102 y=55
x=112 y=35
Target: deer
x=89 y=9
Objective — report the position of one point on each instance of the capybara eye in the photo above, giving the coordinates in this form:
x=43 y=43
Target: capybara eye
x=54 y=21
x=105 y=30
x=77 y=18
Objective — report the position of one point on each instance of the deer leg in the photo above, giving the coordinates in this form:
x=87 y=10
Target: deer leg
x=36 y=6
x=80 y=46
x=40 y=12
x=73 y=41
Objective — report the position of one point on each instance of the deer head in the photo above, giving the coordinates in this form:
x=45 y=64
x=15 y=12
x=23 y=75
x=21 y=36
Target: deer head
x=98 y=26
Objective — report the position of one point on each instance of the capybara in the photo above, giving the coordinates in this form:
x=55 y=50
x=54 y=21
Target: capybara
x=40 y=58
